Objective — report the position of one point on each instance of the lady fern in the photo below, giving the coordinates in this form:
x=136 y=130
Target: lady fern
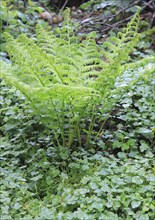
x=64 y=79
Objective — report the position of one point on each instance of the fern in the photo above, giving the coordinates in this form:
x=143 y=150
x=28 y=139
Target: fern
x=117 y=51
x=64 y=79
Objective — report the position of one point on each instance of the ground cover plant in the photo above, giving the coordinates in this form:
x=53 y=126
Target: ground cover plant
x=90 y=155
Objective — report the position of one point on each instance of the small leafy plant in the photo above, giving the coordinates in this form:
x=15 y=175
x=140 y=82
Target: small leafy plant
x=66 y=80
x=92 y=186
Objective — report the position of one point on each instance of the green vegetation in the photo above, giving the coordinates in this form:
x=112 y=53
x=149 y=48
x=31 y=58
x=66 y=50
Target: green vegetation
x=77 y=123
x=66 y=81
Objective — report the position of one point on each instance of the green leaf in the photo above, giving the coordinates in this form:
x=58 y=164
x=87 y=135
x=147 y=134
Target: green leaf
x=121 y=155
x=49 y=180
x=146 y=132
x=144 y=146
x=135 y=204
x=55 y=172
x=137 y=180
x=46 y=213
x=17 y=206
x=37 y=177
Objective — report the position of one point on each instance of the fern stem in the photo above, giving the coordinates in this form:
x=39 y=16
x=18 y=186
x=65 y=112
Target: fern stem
x=56 y=70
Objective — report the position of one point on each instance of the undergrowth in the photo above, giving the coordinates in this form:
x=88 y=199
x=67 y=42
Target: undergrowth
x=66 y=81
x=47 y=172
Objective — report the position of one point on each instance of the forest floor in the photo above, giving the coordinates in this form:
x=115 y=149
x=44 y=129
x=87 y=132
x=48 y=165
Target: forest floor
x=111 y=178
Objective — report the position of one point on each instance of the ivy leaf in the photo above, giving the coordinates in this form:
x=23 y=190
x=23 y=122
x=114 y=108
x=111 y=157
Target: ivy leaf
x=49 y=180
x=85 y=167
x=137 y=180
x=46 y=213
x=55 y=172
x=109 y=204
x=135 y=204
x=145 y=132
x=144 y=146
x=9 y=127
x=17 y=205
x=37 y=177
x=121 y=155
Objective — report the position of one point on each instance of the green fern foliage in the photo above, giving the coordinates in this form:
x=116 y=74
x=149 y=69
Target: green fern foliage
x=116 y=51
x=63 y=78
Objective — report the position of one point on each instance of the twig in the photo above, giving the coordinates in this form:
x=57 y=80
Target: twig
x=124 y=9
x=64 y=5
x=107 y=19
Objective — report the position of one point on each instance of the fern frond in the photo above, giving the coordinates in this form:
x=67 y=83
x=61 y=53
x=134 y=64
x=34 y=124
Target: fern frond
x=116 y=52
x=63 y=77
